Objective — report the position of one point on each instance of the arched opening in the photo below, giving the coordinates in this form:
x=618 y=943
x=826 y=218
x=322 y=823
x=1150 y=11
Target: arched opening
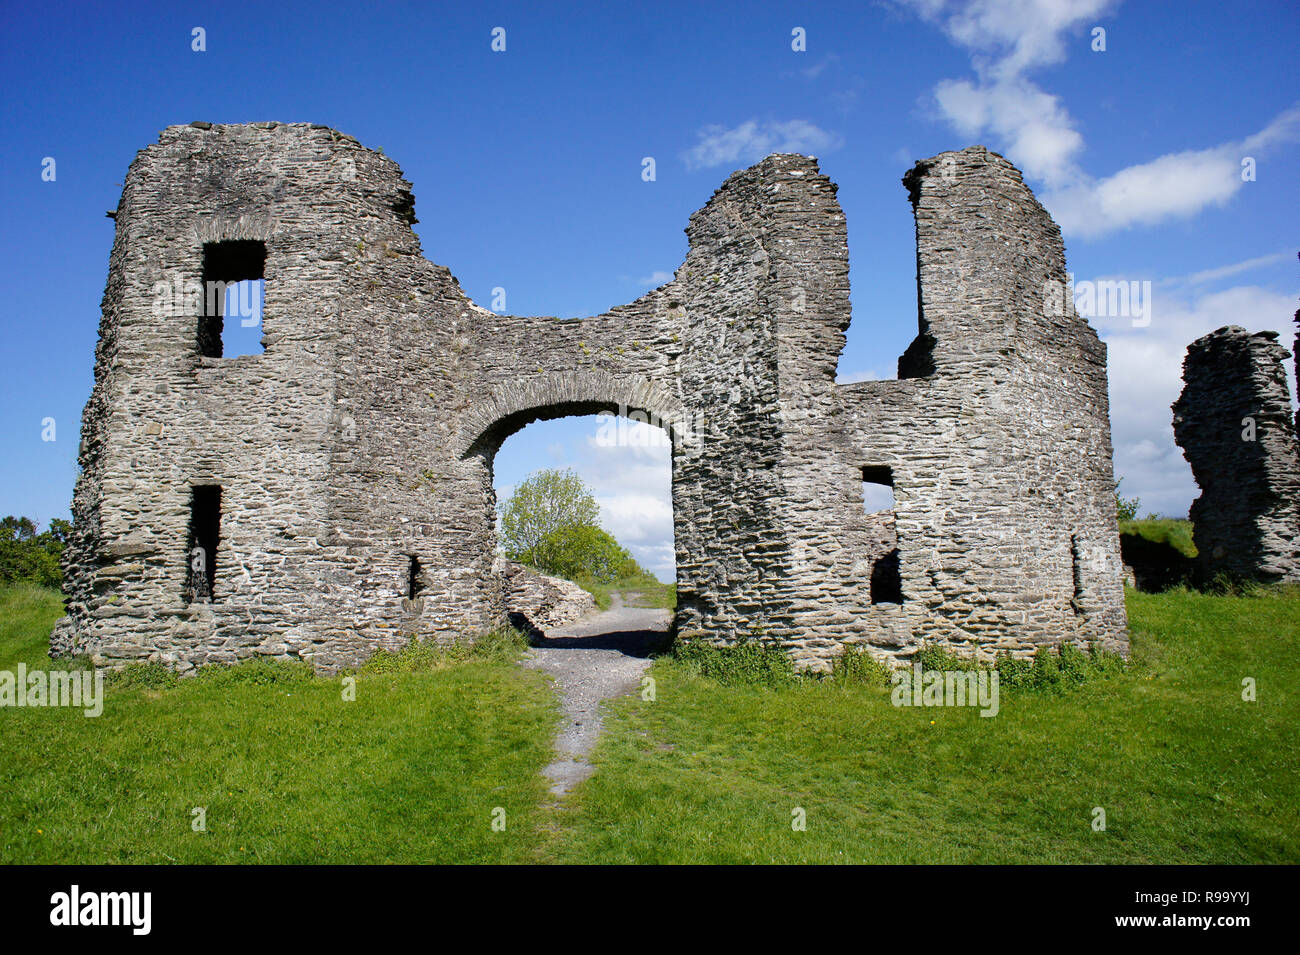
x=611 y=586
x=593 y=638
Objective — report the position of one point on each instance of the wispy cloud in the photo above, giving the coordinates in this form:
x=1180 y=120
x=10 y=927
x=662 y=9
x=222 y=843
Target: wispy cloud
x=1227 y=271
x=869 y=374
x=1174 y=186
x=752 y=140
x=820 y=66
x=655 y=279
x=1007 y=39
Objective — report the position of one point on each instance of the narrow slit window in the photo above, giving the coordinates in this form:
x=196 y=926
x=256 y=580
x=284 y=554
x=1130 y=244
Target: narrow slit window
x=413 y=585
x=1076 y=570
x=234 y=292
x=878 y=507
x=886 y=579
x=201 y=554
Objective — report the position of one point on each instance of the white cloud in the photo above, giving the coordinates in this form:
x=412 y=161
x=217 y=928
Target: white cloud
x=1009 y=38
x=1036 y=129
x=655 y=279
x=1177 y=185
x=637 y=518
x=1006 y=39
x=752 y=140
x=630 y=472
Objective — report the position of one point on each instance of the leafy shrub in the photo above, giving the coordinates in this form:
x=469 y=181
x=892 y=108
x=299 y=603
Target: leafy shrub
x=1013 y=671
x=258 y=672
x=26 y=555
x=1105 y=662
x=1046 y=674
x=423 y=656
x=750 y=662
x=1052 y=671
x=932 y=656
x=857 y=665
x=505 y=642
x=149 y=676
x=1072 y=664
x=415 y=657
x=1227 y=584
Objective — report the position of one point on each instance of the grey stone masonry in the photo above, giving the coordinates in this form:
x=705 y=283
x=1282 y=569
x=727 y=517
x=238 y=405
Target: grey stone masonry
x=537 y=603
x=333 y=495
x=1233 y=422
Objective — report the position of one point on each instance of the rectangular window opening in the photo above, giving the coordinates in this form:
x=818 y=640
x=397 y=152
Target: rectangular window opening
x=234 y=287
x=201 y=553
x=878 y=506
x=877 y=489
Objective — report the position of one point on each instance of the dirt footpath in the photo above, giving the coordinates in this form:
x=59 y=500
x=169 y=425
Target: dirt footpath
x=594 y=659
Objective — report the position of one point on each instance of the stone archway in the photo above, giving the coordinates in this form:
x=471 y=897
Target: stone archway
x=515 y=404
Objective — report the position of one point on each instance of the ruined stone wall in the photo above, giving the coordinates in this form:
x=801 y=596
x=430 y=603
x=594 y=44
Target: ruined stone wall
x=1233 y=422
x=536 y=603
x=996 y=436
x=355 y=455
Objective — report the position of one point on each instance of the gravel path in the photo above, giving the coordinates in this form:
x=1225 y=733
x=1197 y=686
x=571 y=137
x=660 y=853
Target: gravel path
x=594 y=659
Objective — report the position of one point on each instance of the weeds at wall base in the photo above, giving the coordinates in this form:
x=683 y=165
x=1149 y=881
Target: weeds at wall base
x=759 y=664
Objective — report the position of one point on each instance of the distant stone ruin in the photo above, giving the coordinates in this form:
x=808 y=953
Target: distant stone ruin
x=1234 y=424
x=333 y=496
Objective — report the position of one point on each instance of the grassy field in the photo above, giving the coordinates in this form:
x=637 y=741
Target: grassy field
x=643 y=590
x=1163 y=530
x=287 y=771
x=1185 y=770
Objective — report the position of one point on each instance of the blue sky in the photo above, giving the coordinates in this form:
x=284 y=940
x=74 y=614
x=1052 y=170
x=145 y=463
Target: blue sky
x=527 y=165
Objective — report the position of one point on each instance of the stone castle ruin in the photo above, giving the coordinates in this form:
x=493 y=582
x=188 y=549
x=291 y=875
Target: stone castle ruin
x=333 y=495
x=1234 y=423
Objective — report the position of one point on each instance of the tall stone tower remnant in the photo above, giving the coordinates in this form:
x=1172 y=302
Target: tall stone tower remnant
x=1234 y=424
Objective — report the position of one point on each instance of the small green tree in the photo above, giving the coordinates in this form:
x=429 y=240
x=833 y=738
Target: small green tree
x=543 y=514
x=26 y=555
x=585 y=551
x=1127 y=510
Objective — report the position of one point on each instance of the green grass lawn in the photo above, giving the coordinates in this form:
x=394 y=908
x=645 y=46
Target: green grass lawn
x=641 y=590
x=1163 y=530
x=287 y=771
x=1185 y=770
